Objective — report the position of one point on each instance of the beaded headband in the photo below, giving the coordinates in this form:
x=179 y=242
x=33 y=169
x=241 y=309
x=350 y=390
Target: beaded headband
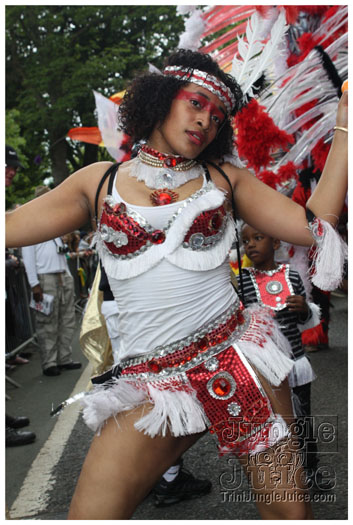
x=210 y=82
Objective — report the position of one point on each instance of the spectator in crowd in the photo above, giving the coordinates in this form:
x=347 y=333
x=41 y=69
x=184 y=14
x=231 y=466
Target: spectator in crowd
x=12 y=165
x=48 y=273
x=72 y=240
x=14 y=437
x=87 y=265
x=14 y=307
x=85 y=241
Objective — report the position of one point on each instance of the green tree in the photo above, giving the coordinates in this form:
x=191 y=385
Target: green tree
x=56 y=55
x=23 y=186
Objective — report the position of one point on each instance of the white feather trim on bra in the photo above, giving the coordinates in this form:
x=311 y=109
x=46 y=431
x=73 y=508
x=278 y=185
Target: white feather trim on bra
x=172 y=248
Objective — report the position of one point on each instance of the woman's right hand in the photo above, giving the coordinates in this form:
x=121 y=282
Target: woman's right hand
x=342 y=111
x=37 y=293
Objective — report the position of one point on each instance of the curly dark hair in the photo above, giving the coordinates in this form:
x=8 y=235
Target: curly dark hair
x=148 y=99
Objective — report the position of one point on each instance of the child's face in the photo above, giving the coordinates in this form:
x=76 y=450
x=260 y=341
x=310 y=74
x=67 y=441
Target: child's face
x=260 y=248
x=191 y=124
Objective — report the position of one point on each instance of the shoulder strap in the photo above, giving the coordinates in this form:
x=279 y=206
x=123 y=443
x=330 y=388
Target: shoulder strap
x=235 y=215
x=109 y=173
x=207 y=173
x=225 y=176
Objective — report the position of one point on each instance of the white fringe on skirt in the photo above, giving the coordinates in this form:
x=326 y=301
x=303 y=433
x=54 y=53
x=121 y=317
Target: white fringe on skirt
x=173 y=405
x=301 y=373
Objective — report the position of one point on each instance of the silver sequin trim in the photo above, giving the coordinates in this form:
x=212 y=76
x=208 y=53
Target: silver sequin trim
x=194 y=337
x=118 y=238
x=189 y=75
x=234 y=409
x=315 y=226
x=212 y=365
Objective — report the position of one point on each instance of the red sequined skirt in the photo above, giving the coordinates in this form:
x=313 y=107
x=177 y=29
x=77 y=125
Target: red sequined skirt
x=202 y=381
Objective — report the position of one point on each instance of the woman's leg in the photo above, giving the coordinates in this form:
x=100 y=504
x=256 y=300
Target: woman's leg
x=277 y=475
x=121 y=467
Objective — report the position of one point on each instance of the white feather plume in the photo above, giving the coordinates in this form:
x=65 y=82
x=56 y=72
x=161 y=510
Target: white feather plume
x=107 y=112
x=194 y=28
x=295 y=87
x=185 y=9
x=257 y=56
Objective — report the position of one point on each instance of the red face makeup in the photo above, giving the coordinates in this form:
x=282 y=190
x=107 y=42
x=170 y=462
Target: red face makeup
x=202 y=103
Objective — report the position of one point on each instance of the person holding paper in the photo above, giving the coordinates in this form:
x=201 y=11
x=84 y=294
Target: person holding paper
x=48 y=273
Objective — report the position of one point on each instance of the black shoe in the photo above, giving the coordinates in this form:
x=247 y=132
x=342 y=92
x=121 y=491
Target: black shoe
x=184 y=486
x=70 y=366
x=16 y=422
x=15 y=438
x=51 y=371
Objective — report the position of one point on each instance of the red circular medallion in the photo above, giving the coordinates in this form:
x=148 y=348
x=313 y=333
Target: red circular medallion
x=163 y=197
x=221 y=386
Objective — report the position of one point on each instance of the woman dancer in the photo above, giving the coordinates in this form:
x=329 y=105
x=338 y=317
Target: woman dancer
x=191 y=357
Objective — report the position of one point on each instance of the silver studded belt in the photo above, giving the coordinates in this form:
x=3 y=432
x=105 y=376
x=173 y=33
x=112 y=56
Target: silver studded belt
x=180 y=356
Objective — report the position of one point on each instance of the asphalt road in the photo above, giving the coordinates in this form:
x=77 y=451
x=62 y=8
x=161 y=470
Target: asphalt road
x=40 y=478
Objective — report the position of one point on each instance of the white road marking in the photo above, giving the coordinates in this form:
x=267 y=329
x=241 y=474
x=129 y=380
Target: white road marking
x=36 y=488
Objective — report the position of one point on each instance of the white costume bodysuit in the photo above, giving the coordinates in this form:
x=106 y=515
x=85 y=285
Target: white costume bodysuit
x=186 y=343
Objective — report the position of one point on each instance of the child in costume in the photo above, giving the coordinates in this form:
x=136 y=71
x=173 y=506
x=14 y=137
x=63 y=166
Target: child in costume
x=192 y=358
x=280 y=289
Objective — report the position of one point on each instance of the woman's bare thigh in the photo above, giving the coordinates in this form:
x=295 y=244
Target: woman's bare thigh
x=121 y=467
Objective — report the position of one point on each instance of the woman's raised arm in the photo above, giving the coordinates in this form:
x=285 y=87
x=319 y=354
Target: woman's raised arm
x=328 y=198
x=59 y=211
x=280 y=217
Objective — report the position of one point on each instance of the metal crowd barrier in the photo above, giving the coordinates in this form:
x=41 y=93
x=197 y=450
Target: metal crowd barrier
x=19 y=318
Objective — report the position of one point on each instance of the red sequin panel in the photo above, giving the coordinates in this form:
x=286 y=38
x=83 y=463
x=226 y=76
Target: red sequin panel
x=120 y=221
x=273 y=299
x=208 y=223
x=253 y=406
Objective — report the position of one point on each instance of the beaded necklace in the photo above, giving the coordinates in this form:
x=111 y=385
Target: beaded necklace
x=163 y=173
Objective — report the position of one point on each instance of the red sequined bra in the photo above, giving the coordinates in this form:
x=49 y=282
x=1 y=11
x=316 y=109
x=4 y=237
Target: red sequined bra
x=199 y=225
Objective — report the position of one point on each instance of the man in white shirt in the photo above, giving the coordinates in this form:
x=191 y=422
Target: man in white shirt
x=48 y=273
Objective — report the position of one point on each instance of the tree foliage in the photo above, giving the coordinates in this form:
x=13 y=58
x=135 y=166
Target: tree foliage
x=56 y=55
